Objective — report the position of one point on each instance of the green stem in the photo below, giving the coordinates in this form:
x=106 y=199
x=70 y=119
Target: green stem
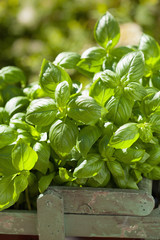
x=27 y=199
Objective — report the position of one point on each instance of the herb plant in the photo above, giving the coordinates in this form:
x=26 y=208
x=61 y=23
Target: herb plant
x=105 y=134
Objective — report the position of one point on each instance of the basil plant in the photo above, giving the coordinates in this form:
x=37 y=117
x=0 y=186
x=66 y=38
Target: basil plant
x=104 y=134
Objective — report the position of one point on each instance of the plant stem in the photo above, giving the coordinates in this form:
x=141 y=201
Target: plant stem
x=27 y=199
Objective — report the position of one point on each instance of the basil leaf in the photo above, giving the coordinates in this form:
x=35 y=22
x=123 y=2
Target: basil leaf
x=50 y=76
x=6 y=166
x=41 y=112
x=89 y=65
x=84 y=109
x=45 y=181
x=43 y=151
x=63 y=135
x=107 y=32
x=62 y=94
x=115 y=168
x=110 y=78
x=11 y=91
x=145 y=132
x=125 y=136
x=7 y=135
x=100 y=92
x=119 y=52
x=21 y=182
x=129 y=155
x=11 y=75
x=135 y=91
x=76 y=88
x=154 y=174
x=65 y=175
x=119 y=109
x=94 y=53
x=155 y=79
x=23 y=156
x=150 y=103
x=101 y=179
x=154 y=158
x=67 y=59
x=149 y=46
x=130 y=68
x=16 y=104
x=155 y=121
x=104 y=149
x=6 y=191
x=4 y=116
x=88 y=167
x=87 y=137
x=34 y=91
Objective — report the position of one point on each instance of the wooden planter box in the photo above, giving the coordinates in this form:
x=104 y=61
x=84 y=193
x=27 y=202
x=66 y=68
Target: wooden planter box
x=87 y=212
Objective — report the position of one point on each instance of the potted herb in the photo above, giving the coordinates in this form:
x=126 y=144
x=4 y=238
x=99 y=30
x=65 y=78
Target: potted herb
x=58 y=132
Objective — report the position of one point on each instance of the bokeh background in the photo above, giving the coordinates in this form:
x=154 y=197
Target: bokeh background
x=31 y=30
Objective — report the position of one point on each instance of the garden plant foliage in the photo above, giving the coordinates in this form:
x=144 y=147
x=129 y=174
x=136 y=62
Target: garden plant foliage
x=105 y=134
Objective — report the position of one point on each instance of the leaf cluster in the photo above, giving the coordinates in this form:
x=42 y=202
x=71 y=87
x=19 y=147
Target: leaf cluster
x=106 y=134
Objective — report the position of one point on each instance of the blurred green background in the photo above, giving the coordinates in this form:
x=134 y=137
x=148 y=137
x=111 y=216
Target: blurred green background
x=31 y=30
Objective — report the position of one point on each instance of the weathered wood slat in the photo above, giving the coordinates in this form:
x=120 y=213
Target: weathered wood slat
x=18 y=222
x=106 y=201
x=113 y=226
x=25 y=223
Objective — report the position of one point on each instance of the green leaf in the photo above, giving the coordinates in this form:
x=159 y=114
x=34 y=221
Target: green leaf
x=100 y=92
x=62 y=135
x=41 y=112
x=125 y=136
x=84 y=109
x=149 y=46
x=10 y=75
x=92 y=59
x=154 y=120
x=50 y=76
x=119 y=52
x=155 y=79
x=7 y=135
x=119 y=109
x=45 y=181
x=104 y=149
x=16 y=104
x=62 y=94
x=34 y=91
x=154 y=158
x=154 y=174
x=21 y=182
x=23 y=156
x=6 y=166
x=11 y=91
x=6 y=191
x=115 y=168
x=130 y=68
x=76 y=88
x=88 y=167
x=101 y=179
x=65 y=175
x=87 y=137
x=94 y=53
x=110 y=78
x=4 y=116
x=129 y=155
x=107 y=32
x=43 y=151
x=150 y=103
x=135 y=91
x=145 y=132
x=67 y=59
